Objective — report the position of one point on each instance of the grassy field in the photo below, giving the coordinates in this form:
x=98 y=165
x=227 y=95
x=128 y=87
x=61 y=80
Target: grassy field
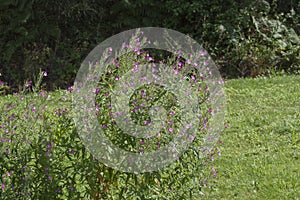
x=261 y=148
x=260 y=151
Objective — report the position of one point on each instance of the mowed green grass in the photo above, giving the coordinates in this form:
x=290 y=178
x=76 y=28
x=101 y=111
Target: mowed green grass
x=261 y=148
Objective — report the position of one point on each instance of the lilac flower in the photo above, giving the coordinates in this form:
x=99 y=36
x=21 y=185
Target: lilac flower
x=203 y=53
x=205 y=124
x=117 y=63
x=70 y=89
x=97 y=91
x=28 y=84
x=213 y=169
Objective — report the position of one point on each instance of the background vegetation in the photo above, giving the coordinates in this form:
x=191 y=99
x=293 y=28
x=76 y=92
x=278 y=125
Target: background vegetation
x=245 y=38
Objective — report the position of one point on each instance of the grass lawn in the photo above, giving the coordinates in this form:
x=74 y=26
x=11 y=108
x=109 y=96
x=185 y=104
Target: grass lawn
x=261 y=148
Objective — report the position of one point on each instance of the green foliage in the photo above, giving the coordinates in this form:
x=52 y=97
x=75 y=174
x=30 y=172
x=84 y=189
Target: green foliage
x=57 y=35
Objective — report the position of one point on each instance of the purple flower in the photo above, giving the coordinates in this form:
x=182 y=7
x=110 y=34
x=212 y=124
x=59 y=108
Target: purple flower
x=2 y=186
x=205 y=124
x=70 y=89
x=28 y=84
x=45 y=74
x=213 y=169
x=71 y=151
x=12 y=116
x=97 y=91
x=203 y=53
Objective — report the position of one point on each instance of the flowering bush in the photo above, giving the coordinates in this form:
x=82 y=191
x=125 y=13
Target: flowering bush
x=42 y=156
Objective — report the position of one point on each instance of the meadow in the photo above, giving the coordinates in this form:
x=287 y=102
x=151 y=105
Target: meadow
x=259 y=150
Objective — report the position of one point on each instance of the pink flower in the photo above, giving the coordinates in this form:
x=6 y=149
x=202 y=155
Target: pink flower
x=2 y=186
x=203 y=53
x=28 y=84
x=70 y=89
x=213 y=169
x=45 y=74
